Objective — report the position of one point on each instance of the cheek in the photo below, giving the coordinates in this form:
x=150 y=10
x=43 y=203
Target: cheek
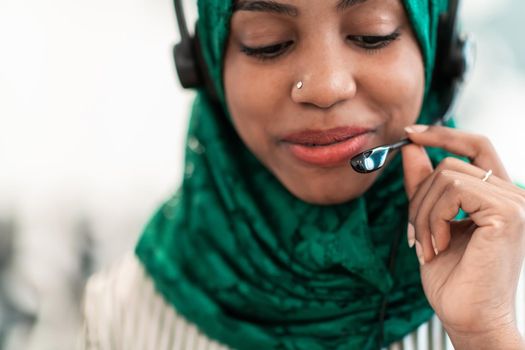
x=398 y=86
x=252 y=87
x=251 y=112
x=410 y=88
x=255 y=96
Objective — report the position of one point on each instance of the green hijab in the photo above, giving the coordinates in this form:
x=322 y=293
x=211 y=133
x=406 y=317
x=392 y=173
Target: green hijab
x=255 y=267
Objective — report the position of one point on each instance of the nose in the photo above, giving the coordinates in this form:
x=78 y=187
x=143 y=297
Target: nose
x=326 y=76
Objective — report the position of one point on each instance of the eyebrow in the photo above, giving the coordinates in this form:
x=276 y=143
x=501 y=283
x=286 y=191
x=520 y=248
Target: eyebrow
x=344 y=4
x=283 y=9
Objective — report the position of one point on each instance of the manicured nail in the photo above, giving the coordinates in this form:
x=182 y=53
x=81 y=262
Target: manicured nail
x=411 y=235
x=419 y=252
x=434 y=245
x=416 y=128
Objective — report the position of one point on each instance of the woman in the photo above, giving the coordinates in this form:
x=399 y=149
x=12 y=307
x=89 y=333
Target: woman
x=274 y=242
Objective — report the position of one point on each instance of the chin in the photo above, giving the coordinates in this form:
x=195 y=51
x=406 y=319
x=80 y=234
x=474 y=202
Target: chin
x=329 y=192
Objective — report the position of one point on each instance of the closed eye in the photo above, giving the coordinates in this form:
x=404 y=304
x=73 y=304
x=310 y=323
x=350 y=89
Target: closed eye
x=374 y=42
x=266 y=52
x=368 y=42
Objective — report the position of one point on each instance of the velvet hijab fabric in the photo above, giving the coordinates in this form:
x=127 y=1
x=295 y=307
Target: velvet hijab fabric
x=255 y=267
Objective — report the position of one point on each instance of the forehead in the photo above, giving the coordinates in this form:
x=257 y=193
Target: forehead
x=308 y=12
x=288 y=7
x=316 y=8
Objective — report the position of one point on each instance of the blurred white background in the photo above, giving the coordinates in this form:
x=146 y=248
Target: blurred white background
x=92 y=126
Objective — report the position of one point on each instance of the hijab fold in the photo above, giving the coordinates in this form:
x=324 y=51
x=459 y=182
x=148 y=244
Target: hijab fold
x=255 y=267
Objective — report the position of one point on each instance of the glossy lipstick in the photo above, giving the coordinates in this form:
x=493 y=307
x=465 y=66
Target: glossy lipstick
x=328 y=148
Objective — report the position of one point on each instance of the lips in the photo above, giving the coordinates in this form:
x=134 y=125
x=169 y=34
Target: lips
x=328 y=148
x=324 y=137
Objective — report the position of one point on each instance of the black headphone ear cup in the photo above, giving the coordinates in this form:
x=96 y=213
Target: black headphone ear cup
x=458 y=62
x=450 y=62
x=450 y=65
x=191 y=67
x=186 y=64
x=206 y=79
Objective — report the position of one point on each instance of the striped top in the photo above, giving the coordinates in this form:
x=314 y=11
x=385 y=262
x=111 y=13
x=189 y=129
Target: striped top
x=122 y=310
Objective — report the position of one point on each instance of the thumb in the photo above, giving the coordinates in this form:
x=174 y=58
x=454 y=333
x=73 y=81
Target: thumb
x=416 y=167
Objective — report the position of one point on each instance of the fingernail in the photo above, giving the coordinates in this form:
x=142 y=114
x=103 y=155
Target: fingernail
x=419 y=252
x=411 y=235
x=416 y=128
x=434 y=245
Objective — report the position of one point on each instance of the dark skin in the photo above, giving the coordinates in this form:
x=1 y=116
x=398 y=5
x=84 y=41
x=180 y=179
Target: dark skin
x=469 y=269
x=345 y=83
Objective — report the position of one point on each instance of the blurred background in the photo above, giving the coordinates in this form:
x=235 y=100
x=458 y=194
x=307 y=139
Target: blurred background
x=92 y=126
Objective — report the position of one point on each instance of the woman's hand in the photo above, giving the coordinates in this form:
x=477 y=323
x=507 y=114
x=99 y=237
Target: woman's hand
x=471 y=271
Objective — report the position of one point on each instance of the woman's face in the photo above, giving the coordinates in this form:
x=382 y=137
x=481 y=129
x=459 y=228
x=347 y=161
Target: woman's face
x=362 y=80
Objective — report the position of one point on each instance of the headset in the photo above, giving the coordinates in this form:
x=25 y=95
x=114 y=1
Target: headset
x=453 y=59
x=189 y=62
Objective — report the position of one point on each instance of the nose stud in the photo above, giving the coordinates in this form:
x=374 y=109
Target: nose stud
x=299 y=84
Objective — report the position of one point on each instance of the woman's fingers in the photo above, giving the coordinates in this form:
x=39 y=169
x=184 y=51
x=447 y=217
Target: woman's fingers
x=437 y=207
x=419 y=211
x=458 y=165
x=477 y=148
x=416 y=166
x=433 y=235
x=449 y=192
x=488 y=205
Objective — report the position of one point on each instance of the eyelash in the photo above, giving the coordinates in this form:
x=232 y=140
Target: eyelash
x=266 y=52
x=370 y=43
